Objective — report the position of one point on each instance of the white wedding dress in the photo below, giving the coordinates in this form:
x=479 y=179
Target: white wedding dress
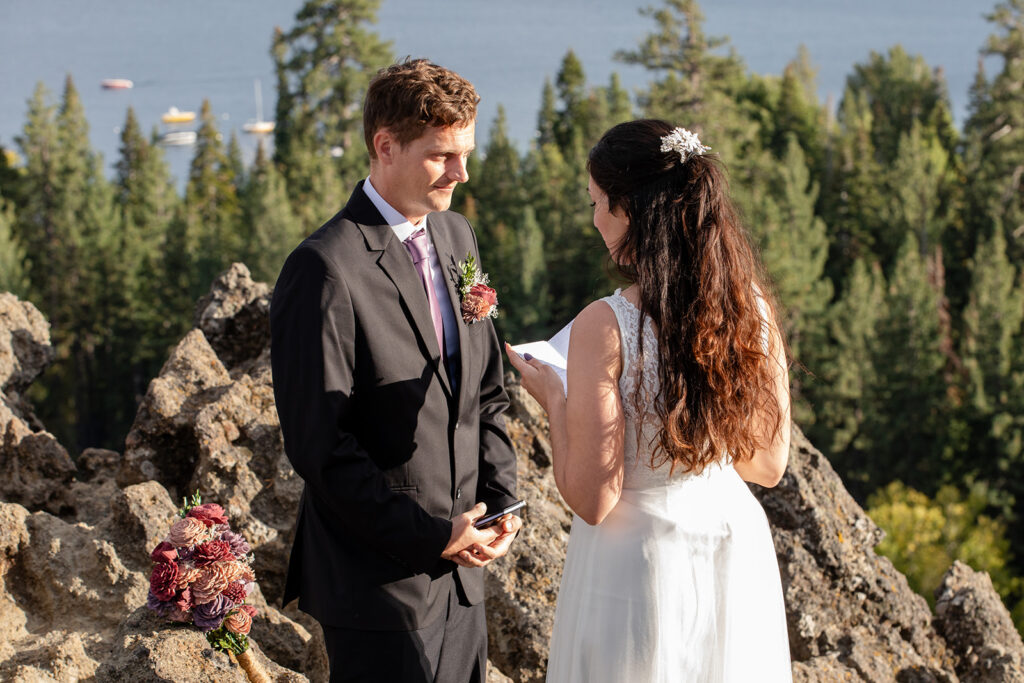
x=680 y=581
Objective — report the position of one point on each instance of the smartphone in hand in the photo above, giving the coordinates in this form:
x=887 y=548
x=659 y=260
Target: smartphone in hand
x=488 y=520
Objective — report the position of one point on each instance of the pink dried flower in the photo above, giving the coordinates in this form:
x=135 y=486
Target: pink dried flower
x=213 y=578
x=478 y=303
x=186 y=575
x=238 y=621
x=186 y=532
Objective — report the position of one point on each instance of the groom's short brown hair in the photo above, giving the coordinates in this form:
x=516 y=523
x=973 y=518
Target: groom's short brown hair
x=415 y=94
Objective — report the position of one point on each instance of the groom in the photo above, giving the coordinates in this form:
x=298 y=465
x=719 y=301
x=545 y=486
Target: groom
x=391 y=405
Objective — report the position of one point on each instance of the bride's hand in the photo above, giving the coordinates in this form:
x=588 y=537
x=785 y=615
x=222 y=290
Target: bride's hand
x=539 y=380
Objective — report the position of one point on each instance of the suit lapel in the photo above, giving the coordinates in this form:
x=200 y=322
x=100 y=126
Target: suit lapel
x=448 y=262
x=393 y=259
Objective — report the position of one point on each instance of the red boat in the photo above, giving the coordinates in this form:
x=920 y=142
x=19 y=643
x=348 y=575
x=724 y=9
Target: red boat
x=116 y=84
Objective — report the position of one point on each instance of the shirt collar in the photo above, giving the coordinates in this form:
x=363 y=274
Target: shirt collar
x=399 y=223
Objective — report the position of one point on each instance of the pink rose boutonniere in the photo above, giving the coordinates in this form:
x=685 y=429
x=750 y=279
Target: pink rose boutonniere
x=478 y=300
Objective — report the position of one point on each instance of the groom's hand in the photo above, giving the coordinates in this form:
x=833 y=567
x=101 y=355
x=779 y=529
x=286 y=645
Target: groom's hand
x=510 y=526
x=465 y=537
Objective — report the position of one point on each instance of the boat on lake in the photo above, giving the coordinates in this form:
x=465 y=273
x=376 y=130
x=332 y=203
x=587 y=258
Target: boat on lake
x=178 y=138
x=116 y=84
x=174 y=115
x=259 y=126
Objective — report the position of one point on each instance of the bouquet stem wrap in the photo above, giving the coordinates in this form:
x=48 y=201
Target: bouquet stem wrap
x=254 y=671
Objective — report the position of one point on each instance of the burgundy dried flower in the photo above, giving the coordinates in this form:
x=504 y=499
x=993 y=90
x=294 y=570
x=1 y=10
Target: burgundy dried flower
x=250 y=610
x=163 y=581
x=209 y=615
x=212 y=551
x=235 y=592
x=165 y=552
x=183 y=601
x=209 y=514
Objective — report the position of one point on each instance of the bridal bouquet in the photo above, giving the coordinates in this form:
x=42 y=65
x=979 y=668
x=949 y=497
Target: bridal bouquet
x=202 y=573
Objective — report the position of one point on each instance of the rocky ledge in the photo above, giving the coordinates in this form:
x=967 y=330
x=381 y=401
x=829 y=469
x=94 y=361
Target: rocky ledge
x=74 y=535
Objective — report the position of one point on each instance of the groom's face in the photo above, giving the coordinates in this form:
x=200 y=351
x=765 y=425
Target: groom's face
x=420 y=176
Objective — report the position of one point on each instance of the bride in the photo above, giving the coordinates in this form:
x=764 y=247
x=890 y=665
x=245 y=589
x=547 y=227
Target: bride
x=677 y=393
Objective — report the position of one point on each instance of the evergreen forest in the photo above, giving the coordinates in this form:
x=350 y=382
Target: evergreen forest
x=894 y=238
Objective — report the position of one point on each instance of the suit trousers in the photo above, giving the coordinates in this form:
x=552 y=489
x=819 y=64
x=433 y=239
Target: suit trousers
x=453 y=649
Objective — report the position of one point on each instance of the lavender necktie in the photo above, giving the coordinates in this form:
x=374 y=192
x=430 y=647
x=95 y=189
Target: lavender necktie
x=417 y=245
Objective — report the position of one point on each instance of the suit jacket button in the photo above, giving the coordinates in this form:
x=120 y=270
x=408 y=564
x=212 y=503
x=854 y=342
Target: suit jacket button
x=458 y=493
x=458 y=424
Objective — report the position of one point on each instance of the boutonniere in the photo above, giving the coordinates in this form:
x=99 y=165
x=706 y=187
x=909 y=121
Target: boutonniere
x=478 y=300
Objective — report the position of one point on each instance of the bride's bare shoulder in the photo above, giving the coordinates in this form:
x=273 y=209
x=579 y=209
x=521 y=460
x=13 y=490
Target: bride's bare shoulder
x=595 y=335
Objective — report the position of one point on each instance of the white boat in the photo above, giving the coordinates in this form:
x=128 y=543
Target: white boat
x=259 y=126
x=116 y=84
x=178 y=138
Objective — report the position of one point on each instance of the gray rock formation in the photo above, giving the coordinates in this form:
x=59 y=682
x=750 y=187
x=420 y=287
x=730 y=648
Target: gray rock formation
x=148 y=648
x=25 y=349
x=34 y=468
x=851 y=615
x=971 y=617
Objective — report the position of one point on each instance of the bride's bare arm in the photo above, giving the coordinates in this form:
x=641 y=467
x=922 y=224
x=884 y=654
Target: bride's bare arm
x=587 y=429
x=769 y=463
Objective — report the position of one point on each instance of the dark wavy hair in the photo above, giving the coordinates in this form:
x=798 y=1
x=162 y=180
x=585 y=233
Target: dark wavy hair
x=699 y=282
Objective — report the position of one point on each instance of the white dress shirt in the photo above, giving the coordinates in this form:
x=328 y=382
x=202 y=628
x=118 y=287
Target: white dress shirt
x=403 y=230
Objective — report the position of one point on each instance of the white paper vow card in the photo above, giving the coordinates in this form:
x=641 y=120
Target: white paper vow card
x=553 y=352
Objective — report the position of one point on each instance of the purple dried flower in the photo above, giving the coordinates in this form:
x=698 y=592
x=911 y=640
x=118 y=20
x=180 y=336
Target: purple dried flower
x=161 y=607
x=239 y=546
x=209 y=616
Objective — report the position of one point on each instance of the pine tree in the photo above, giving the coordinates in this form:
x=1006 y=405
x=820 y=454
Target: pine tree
x=794 y=246
x=67 y=228
x=212 y=211
x=693 y=86
x=995 y=134
x=853 y=203
x=555 y=188
x=12 y=255
x=547 y=118
x=900 y=90
x=147 y=202
x=798 y=112
x=990 y=348
x=920 y=180
x=620 y=107
x=906 y=424
x=324 y=64
x=842 y=379
x=272 y=230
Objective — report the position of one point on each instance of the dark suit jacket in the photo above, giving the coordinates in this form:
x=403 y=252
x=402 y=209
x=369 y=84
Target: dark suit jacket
x=388 y=453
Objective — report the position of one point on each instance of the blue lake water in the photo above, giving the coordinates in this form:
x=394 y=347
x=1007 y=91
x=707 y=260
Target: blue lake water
x=179 y=53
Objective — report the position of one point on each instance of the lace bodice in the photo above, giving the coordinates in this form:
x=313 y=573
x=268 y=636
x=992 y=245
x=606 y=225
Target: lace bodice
x=638 y=446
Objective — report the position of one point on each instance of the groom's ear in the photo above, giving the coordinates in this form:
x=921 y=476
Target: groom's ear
x=384 y=144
